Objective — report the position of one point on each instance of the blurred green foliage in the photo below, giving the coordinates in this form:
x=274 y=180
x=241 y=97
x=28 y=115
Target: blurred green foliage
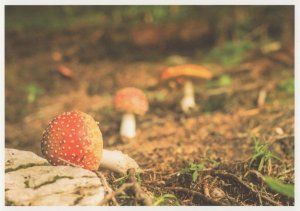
x=33 y=92
x=222 y=81
x=230 y=53
x=287 y=86
x=279 y=187
x=227 y=22
x=158 y=96
x=63 y=17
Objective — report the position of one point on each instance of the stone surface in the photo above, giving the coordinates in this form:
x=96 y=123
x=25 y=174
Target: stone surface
x=31 y=180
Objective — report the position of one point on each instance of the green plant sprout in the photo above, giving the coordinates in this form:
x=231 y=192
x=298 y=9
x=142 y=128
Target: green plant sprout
x=194 y=169
x=263 y=154
x=279 y=187
x=166 y=200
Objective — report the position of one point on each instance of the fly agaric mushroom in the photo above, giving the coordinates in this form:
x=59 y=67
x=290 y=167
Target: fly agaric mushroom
x=74 y=138
x=130 y=101
x=187 y=73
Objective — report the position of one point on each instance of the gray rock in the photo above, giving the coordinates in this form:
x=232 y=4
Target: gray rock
x=31 y=180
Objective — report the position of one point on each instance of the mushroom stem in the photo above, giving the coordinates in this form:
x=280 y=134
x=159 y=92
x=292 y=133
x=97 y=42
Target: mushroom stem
x=128 y=125
x=118 y=162
x=188 y=100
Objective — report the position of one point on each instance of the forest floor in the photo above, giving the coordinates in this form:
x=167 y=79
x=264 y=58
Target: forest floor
x=206 y=157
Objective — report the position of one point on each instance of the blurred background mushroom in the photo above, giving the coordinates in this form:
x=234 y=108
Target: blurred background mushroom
x=187 y=74
x=130 y=101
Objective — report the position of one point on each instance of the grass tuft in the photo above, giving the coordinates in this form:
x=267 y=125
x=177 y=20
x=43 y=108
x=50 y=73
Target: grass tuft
x=263 y=155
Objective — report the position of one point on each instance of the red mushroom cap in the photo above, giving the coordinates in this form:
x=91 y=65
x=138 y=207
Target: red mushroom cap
x=131 y=100
x=73 y=137
x=187 y=70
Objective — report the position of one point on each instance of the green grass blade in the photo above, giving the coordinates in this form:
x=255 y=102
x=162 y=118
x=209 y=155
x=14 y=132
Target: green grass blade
x=261 y=164
x=279 y=187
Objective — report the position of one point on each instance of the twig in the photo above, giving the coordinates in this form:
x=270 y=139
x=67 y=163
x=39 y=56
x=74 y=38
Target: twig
x=195 y=193
x=245 y=185
x=233 y=201
x=286 y=172
x=229 y=91
x=206 y=189
x=106 y=186
x=113 y=194
x=261 y=97
x=280 y=137
x=139 y=193
x=258 y=175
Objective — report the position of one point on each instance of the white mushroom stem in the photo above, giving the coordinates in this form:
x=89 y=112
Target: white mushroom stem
x=118 y=162
x=128 y=125
x=188 y=100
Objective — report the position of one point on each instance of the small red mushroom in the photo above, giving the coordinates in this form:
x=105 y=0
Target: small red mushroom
x=130 y=101
x=74 y=138
x=187 y=73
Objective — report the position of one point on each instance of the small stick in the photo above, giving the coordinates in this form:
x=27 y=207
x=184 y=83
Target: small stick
x=106 y=186
x=206 y=189
x=195 y=193
x=233 y=201
x=139 y=193
x=113 y=194
x=261 y=97
x=245 y=185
